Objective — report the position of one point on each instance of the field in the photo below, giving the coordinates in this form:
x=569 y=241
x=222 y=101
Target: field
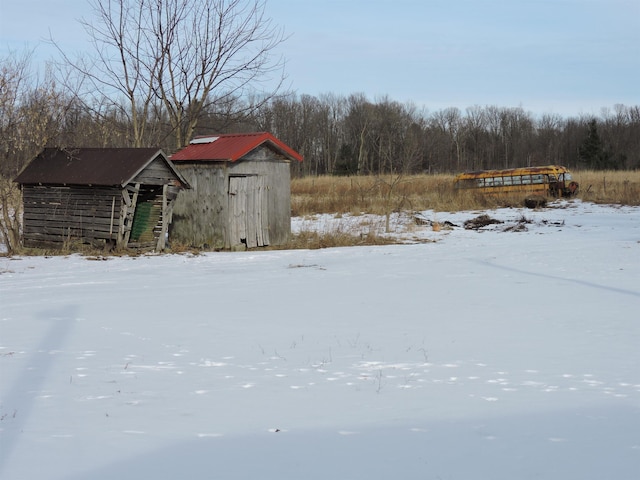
x=503 y=349
x=375 y=198
x=379 y=195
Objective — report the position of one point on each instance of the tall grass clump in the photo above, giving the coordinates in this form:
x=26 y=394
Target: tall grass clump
x=609 y=186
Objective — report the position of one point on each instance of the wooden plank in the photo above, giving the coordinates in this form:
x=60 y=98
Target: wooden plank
x=258 y=212
x=64 y=234
x=163 y=221
x=128 y=220
x=103 y=204
x=125 y=197
x=263 y=211
x=124 y=206
x=62 y=210
x=58 y=192
x=86 y=193
x=54 y=217
x=238 y=210
x=250 y=216
x=113 y=208
x=101 y=210
x=59 y=227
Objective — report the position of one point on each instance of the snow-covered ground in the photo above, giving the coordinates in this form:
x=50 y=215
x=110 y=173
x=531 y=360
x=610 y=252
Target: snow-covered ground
x=499 y=353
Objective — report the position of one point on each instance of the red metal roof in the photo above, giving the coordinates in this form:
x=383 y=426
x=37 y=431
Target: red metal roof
x=231 y=147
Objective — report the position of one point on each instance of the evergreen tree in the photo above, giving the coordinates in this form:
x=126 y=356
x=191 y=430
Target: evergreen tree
x=592 y=151
x=347 y=163
x=591 y=147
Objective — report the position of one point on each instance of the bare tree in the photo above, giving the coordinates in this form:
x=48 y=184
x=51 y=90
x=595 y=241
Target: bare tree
x=448 y=122
x=357 y=120
x=548 y=130
x=30 y=111
x=179 y=57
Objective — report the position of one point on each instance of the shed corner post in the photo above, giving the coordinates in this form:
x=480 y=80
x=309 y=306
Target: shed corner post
x=120 y=242
x=164 y=225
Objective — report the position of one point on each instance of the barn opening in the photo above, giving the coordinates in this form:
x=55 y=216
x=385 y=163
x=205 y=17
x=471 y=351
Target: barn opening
x=147 y=219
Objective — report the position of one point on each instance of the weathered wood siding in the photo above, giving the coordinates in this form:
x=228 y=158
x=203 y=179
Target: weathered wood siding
x=249 y=199
x=156 y=173
x=64 y=214
x=200 y=213
x=274 y=186
x=248 y=211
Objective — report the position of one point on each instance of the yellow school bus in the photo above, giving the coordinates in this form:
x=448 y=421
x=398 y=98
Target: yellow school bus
x=550 y=180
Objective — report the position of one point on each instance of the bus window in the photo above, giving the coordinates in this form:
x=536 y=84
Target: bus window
x=507 y=180
x=537 y=179
x=526 y=179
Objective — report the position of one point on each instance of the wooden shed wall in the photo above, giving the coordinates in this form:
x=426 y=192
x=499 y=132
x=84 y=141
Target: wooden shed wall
x=60 y=214
x=201 y=215
x=156 y=173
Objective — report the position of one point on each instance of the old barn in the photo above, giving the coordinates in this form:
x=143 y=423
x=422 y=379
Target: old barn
x=240 y=194
x=120 y=197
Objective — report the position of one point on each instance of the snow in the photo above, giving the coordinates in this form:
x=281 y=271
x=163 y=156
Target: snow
x=496 y=353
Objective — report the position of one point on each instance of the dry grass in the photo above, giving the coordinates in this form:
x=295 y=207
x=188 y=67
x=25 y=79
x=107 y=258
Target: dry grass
x=314 y=240
x=614 y=187
x=381 y=195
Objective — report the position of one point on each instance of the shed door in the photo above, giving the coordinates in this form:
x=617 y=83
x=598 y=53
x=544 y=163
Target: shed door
x=249 y=222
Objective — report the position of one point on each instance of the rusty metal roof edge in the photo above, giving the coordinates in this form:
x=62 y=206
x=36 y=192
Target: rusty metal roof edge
x=252 y=141
x=283 y=147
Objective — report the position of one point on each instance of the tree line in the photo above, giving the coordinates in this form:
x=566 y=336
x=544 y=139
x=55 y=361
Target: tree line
x=354 y=135
x=336 y=134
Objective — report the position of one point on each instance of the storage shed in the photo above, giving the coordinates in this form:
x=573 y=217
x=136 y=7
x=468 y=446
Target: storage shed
x=240 y=194
x=118 y=197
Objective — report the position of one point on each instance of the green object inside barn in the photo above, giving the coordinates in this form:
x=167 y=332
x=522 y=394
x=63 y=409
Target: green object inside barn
x=145 y=219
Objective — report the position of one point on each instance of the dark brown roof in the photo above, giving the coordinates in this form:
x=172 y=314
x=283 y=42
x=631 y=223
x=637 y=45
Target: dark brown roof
x=231 y=147
x=89 y=166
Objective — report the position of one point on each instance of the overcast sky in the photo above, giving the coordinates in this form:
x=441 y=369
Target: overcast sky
x=569 y=57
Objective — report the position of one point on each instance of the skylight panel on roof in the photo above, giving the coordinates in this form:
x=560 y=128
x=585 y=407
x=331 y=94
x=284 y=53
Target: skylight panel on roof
x=199 y=140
